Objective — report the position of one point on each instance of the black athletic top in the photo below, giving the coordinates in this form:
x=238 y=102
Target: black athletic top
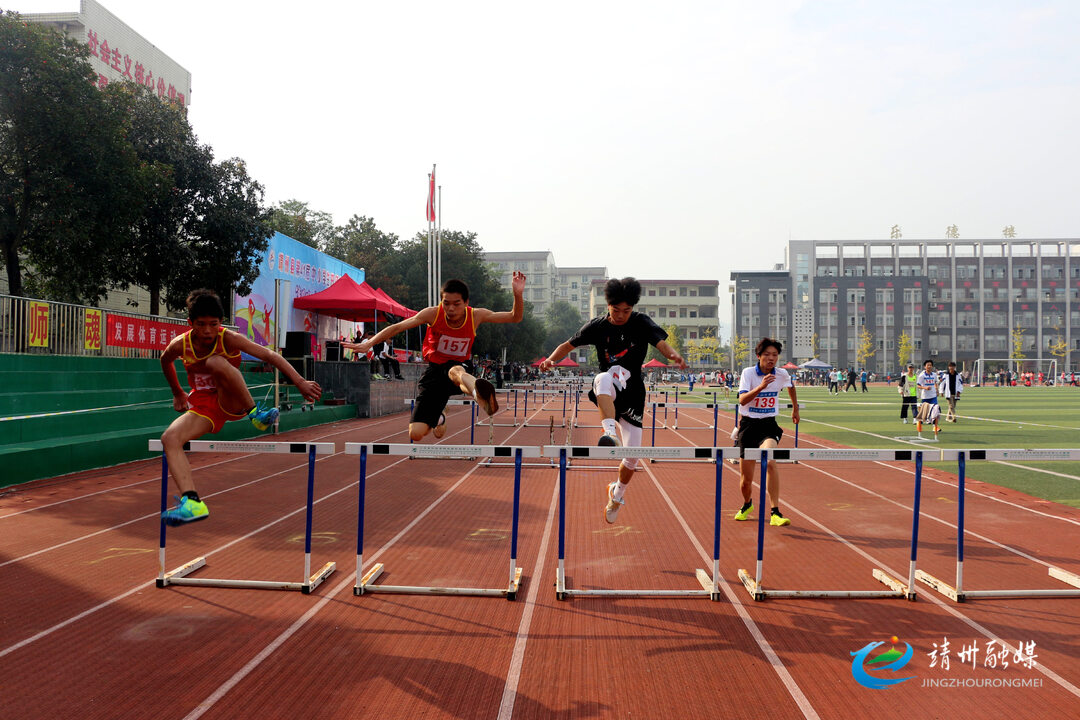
x=623 y=345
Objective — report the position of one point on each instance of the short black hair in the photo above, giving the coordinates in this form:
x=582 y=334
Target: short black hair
x=204 y=303
x=952 y=364
x=627 y=290
x=456 y=286
x=766 y=342
x=927 y=360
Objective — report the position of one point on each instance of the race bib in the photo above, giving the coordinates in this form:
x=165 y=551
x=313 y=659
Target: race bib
x=763 y=404
x=454 y=346
x=204 y=382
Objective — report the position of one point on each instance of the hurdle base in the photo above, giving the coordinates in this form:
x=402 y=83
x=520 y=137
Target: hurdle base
x=366 y=586
x=756 y=591
x=511 y=592
x=179 y=577
x=706 y=581
x=317 y=579
x=1065 y=576
x=172 y=576
x=940 y=585
x=898 y=586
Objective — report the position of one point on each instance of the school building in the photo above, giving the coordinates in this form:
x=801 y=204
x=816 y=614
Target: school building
x=959 y=300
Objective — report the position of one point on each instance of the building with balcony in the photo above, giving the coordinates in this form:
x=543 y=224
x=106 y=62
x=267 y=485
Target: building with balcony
x=958 y=300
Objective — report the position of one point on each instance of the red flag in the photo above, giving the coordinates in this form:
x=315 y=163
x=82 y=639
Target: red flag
x=431 y=197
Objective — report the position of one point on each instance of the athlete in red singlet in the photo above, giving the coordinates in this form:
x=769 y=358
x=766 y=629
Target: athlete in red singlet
x=447 y=348
x=211 y=356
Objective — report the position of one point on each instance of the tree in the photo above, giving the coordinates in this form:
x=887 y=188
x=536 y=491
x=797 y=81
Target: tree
x=705 y=349
x=561 y=321
x=68 y=180
x=865 y=349
x=362 y=244
x=905 y=349
x=674 y=339
x=229 y=236
x=311 y=227
x=814 y=342
x=741 y=347
x=201 y=222
x=1017 y=337
x=1058 y=347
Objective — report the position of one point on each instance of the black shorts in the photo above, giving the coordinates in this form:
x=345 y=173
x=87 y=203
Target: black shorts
x=436 y=388
x=629 y=403
x=754 y=431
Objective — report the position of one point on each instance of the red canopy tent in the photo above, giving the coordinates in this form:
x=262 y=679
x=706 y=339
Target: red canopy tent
x=346 y=299
x=566 y=362
x=654 y=363
x=790 y=366
x=400 y=310
x=536 y=363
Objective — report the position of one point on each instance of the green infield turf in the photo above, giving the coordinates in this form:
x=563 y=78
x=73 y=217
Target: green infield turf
x=989 y=417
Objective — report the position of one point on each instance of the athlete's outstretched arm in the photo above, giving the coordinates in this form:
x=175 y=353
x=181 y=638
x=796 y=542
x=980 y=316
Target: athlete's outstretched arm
x=424 y=317
x=483 y=315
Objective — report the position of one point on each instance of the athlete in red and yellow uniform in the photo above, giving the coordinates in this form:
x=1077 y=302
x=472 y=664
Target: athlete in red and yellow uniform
x=211 y=356
x=203 y=398
x=447 y=348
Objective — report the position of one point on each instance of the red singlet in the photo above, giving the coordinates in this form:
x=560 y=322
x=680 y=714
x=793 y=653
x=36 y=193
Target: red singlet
x=444 y=343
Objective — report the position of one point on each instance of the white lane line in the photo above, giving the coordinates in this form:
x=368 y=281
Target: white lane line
x=266 y=652
x=113 y=600
x=1068 y=686
x=736 y=602
x=517 y=657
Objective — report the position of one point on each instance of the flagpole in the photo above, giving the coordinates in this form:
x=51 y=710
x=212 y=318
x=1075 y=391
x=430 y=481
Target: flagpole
x=438 y=245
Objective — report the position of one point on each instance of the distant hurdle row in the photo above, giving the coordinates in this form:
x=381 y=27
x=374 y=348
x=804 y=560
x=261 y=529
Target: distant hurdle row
x=179 y=576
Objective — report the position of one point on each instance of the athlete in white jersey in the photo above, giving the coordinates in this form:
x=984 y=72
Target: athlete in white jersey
x=759 y=398
x=927 y=384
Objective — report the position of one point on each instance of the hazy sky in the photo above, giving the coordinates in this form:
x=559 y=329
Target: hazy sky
x=675 y=140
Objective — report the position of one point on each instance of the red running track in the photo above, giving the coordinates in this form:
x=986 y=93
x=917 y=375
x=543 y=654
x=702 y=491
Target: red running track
x=85 y=634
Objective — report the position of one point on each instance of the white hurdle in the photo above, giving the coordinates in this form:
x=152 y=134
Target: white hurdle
x=957 y=593
x=897 y=588
x=365 y=583
x=179 y=575
x=710 y=587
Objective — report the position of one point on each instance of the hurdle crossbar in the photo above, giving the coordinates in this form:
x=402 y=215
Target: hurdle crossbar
x=897 y=588
x=365 y=582
x=710 y=587
x=956 y=592
x=179 y=576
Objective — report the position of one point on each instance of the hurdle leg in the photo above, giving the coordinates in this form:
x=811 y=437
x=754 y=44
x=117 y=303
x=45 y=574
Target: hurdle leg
x=164 y=501
x=515 y=572
x=560 y=572
x=753 y=585
x=312 y=581
x=362 y=580
x=713 y=584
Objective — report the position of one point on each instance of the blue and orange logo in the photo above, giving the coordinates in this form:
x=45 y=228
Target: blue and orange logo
x=891 y=660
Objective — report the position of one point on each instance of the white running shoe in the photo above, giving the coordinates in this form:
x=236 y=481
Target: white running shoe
x=611 y=512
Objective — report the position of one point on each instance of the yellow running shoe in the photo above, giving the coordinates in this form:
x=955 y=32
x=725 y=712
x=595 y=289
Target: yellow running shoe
x=744 y=513
x=778 y=520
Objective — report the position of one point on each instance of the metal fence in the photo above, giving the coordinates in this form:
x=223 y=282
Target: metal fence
x=43 y=327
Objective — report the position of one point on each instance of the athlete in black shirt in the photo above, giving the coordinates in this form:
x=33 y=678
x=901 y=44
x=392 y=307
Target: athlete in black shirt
x=622 y=338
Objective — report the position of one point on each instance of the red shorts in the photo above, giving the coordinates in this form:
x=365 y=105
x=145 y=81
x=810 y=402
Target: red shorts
x=205 y=404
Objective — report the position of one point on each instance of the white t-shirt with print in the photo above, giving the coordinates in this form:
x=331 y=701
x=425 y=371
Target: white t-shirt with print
x=767 y=402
